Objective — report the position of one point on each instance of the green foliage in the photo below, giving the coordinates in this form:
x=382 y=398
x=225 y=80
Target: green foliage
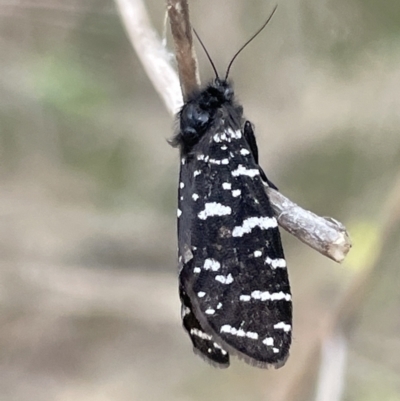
x=66 y=85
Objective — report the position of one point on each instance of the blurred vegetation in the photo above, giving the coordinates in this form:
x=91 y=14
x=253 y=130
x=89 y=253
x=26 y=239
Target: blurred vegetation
x=88 y=186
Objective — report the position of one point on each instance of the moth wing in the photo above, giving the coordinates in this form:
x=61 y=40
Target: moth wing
x=203 y=343
x=232 y=266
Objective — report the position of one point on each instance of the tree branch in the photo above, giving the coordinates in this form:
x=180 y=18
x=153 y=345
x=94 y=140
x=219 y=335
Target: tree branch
x=325 y=235
x=178 y=12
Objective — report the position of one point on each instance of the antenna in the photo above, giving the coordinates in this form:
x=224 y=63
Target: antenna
x=205 y=50
x=239 y=51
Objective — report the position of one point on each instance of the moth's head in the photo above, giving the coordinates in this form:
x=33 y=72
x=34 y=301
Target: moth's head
x=223 y=90
x=194 y=120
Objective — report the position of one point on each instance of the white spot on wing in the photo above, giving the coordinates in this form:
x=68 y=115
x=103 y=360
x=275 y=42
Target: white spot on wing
x=179 y=212
x=203 y=157
x=219 y=347
x=236 y=193
x=248 y=224
x=212 y=264
x=274 y=296
x=214 y=209
x=276 y=350
x=244 y=171
x=244 y=152
x=223 y=161
x=195 y=197
x=186 y=311
x=210 y=311
x=201 y=334
x=275 y=263
x=224 y=279
x=240 y=333
x=252 y=335
x=201 y=294
x=196 y=172
x=226 y=328
x=226 y=185
x=282 y=325
x=227 y=136
x=196 y=270
x=235 y=134
x=269 y=341
x=280 y=296
x=181 y=185
x=257 y=254
x=266 y=296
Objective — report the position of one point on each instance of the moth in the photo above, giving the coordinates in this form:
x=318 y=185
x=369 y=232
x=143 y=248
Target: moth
x=233 y=280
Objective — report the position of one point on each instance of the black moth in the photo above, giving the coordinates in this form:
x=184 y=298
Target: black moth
x=233 y=280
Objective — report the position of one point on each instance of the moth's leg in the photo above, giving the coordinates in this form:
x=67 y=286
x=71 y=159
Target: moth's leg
x=251 y=140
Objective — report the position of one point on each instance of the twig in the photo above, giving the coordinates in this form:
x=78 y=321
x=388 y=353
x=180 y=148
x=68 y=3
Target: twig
x=178 y=12
x=325 y=235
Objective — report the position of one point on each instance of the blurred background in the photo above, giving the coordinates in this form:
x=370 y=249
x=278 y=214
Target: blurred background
x=88 y=183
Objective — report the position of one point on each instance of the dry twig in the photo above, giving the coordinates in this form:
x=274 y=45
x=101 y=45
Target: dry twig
x=178 y=12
